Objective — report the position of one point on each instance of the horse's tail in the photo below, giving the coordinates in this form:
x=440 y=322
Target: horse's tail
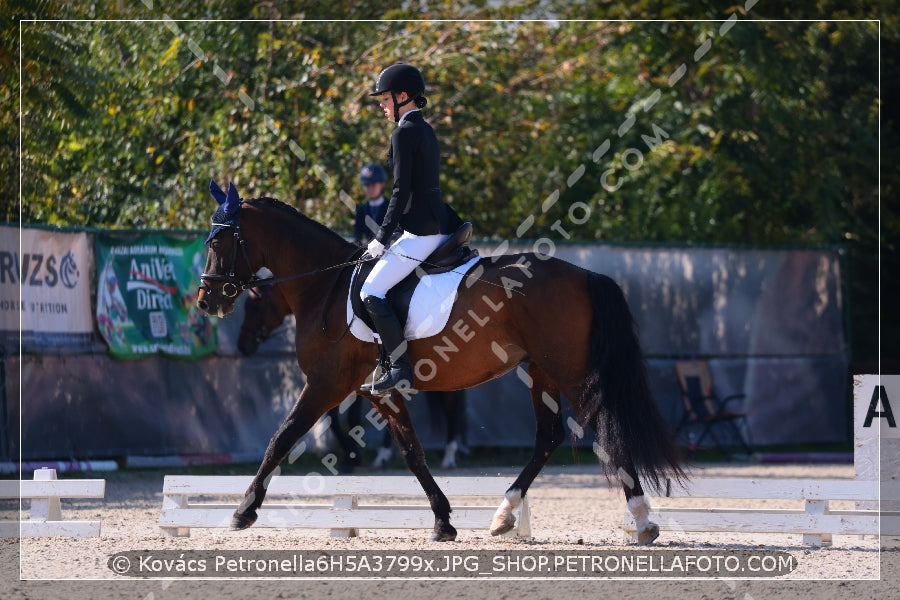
x=616 y=395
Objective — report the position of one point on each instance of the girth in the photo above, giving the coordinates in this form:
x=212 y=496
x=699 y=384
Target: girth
x=454 y=252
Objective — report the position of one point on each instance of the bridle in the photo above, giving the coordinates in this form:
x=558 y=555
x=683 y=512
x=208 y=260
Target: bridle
x=233 y=285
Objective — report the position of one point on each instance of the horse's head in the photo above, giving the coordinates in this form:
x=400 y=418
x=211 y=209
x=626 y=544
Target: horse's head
x=228 y=270
x=247 y=234
x=264 y=311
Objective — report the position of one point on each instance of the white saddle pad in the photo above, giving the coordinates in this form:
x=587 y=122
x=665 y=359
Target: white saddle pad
x=429 y=308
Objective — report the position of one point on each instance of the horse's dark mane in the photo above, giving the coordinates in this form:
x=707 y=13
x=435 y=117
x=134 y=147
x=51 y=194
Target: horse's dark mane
x=290 y=210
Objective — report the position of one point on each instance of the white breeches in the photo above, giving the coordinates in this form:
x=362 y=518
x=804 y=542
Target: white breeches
x=394 y=265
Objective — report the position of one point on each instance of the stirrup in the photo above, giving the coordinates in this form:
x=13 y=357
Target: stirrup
x=382 y=368
x=391 y=381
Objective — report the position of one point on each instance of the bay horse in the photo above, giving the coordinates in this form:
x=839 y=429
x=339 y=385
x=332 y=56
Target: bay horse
x=266 y=308
x=572 y=326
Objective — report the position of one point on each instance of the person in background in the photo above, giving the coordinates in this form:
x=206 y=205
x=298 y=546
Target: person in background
x=447 y=409
x=453 y=407
x=370 y=214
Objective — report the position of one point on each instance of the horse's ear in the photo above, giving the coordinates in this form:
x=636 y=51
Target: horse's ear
x=216 y=192
x=233 y=200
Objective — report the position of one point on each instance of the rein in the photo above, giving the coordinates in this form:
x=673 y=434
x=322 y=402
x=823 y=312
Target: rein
x=233 y=286
x=351 y=263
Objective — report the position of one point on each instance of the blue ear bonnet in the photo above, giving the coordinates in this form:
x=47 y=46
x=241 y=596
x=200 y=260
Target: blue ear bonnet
x=229 y=208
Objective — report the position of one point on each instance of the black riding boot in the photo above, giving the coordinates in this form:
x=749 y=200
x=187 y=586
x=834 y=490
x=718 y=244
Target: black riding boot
x=391 y=333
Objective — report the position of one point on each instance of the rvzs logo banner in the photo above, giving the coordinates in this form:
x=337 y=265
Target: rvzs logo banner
x=146 y=297
x=51 y=271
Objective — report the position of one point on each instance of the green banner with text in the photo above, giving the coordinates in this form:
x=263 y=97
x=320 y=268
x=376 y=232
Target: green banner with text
x=146 y=297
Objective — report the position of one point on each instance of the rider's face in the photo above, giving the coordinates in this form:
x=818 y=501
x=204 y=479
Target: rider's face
x=387 y=103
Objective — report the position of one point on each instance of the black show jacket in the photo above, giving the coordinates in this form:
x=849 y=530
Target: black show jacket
x=416 y=204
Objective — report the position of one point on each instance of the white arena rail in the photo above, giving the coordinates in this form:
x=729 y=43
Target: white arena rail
x=344 y=516
x=815 y=521
x=45 y=518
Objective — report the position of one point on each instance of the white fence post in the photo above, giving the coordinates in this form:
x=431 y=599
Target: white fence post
x=46 y=509
x=347 y=502
x=45 y=518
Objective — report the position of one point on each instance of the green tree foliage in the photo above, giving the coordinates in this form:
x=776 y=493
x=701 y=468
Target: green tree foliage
x=722 y=131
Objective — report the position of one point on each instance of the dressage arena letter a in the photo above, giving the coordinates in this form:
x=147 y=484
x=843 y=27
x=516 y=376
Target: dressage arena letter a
x=879 y=393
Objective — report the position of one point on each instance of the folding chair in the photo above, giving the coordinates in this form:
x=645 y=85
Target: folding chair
x=708 y=413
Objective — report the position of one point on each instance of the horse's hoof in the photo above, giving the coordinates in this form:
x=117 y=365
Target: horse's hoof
x=502 y=524
x=242 y=521
x=443 y=536
x=443 y=531
x=648 y=535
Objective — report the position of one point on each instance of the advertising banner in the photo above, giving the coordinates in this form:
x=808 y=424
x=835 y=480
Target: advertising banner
x=51 y=270
x=146 y=294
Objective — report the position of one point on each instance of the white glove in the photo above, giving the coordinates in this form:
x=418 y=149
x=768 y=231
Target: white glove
x=375 y=249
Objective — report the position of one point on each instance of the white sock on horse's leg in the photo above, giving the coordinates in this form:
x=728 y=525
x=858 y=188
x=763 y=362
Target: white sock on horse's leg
x=513 y=499
x=646 y=531
x=639 y=508
x=503 y=519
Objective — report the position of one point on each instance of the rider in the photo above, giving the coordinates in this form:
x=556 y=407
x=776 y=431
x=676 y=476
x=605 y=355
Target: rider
x=415 y=205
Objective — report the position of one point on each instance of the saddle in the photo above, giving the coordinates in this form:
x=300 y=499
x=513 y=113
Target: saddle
x=454 y=252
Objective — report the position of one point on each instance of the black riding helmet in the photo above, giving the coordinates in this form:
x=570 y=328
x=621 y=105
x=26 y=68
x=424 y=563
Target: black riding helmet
x=401 y=77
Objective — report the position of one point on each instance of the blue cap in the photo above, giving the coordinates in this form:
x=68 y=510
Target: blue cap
x=372 y=173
